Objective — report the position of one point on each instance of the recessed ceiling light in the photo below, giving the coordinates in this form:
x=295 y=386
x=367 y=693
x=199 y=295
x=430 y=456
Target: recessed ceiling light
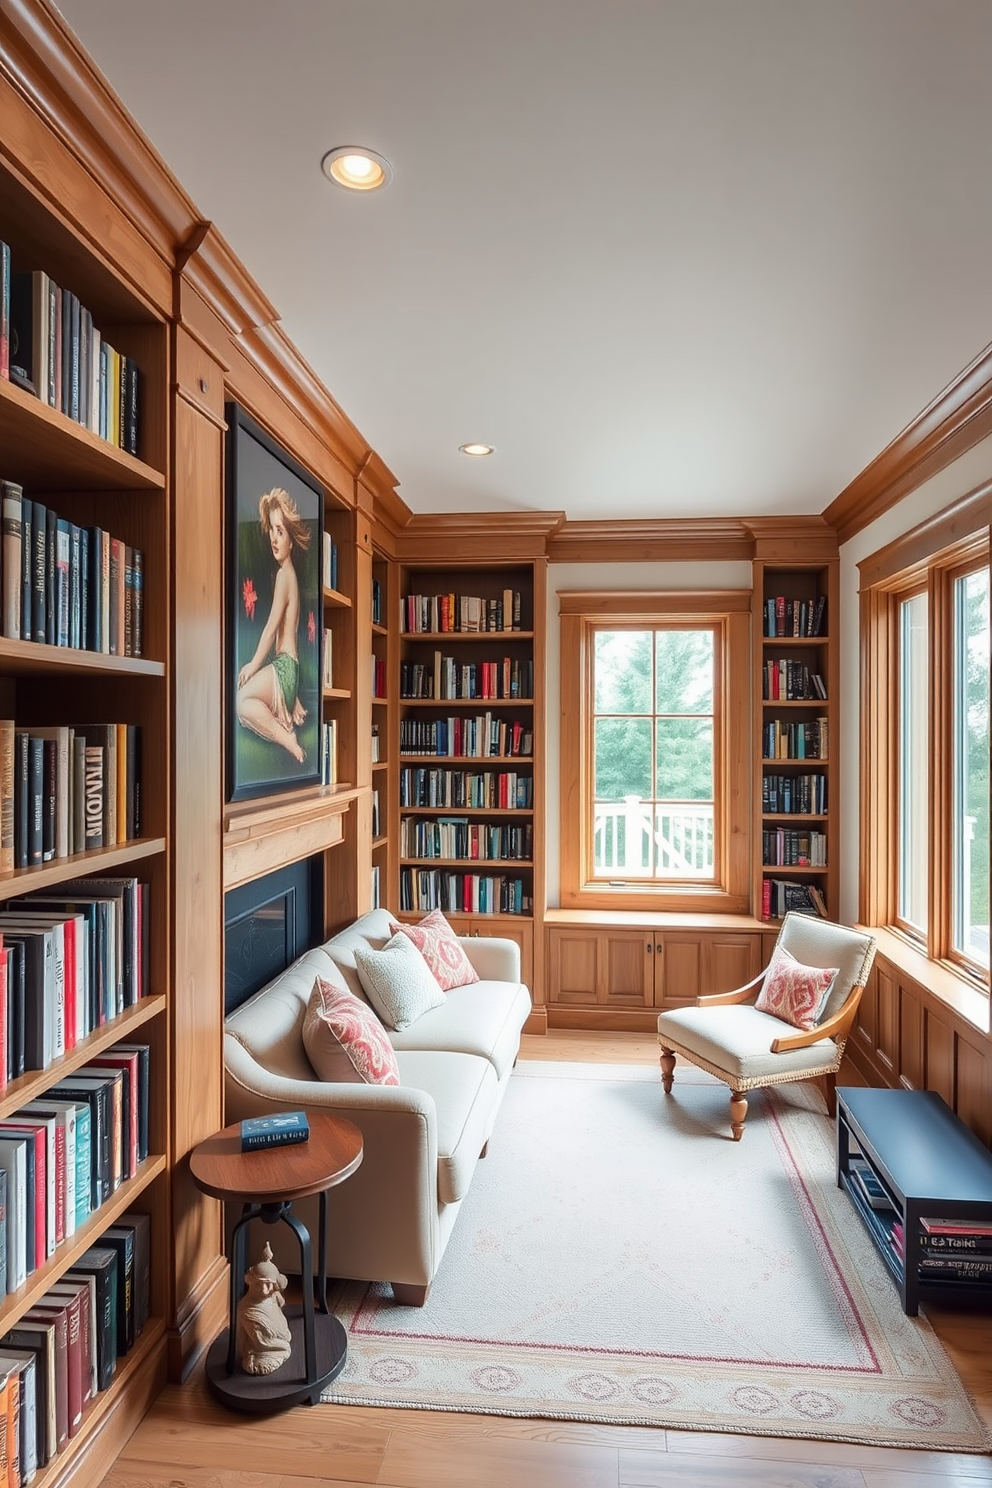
x=356 y=168
x=477 y=449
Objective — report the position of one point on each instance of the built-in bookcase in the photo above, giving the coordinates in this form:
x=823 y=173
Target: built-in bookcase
x=90 y=482
x=385 y=703
x=338 y=653
x=796 y=683
x=468 y=793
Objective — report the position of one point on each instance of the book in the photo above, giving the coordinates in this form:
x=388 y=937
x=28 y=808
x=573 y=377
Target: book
x=284 y=1128
x=10 y=552
x=37 y=1337
x=142 y=1226
x=83 y=1286
x=100 y=1262
x=121 y=1239
x=56 y=1316
x=26 y=1365
x=29 y=317
x=5 y=310
x=7 y=731
x=93 y=808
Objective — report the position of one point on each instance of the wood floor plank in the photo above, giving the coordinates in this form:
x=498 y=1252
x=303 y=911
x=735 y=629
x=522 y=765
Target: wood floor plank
x=942 y=1466
x=890 y=1477
x=412 y=1461
x=297 y=1439
x=667 y=1470
x=133 y=1473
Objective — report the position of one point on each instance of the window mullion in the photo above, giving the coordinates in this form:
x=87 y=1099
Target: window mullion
x=941 y=751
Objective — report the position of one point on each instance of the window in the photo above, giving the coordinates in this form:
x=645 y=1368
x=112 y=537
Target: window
x=654 y=750
x=925 y=758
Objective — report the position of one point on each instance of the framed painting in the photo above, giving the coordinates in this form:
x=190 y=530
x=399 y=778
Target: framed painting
x=274 y=617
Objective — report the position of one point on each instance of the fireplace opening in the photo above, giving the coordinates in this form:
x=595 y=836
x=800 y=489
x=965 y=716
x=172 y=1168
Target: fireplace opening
x=267 y=924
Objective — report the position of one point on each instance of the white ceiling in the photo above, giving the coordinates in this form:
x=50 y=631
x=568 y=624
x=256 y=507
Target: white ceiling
x=671 y=257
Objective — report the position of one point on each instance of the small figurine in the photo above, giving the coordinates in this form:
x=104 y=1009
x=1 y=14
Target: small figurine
x=264 y=1339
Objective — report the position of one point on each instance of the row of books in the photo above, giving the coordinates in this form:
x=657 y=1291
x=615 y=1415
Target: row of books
x=794 y=795
x=450 y=678
x=63 y=1352
x=379 y=682
x=66 y=789
x=781 y=896
x=481 y=737
x=424 y=889
x=66 y=585
x=782 y=848
x=504 y=790
x=434 y=614
x=50 y=346
x=449 y=837
x=329 y=566
x=795 y=617
x=71 y=960
x=375 y=744
x=329 y=752
x=791 y=681
x=953 y=1250
x=64 y=1155
x=801 y=740
x=376 y=602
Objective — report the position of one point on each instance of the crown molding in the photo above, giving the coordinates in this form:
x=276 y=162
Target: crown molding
x=220 y=279
x=793 y=539
x=958 y=418
x=50 y=71
x=653 y=540
x=480 y=537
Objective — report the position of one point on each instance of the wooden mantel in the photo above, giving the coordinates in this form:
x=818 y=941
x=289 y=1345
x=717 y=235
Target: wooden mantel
x=261 y=836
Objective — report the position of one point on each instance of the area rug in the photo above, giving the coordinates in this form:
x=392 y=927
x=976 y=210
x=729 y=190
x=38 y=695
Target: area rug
x=619 y=1259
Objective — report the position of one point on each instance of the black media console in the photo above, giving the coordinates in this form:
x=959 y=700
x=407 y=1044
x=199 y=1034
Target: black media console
x=932 y=1189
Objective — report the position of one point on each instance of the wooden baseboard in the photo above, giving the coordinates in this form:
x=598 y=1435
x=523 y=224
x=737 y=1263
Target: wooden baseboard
x=203 y=1315
x=537 y=1022
x=611 y=1021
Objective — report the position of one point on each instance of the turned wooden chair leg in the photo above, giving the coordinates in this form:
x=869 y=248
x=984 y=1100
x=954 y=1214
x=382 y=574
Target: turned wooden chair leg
x=667 y=1069
x=738 y=1113
x=828 y=1084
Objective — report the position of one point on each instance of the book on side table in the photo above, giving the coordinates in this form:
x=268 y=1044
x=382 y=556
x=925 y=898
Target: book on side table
x=274 y=1131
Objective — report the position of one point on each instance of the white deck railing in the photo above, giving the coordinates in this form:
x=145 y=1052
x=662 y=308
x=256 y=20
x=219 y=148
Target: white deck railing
x=625 y=832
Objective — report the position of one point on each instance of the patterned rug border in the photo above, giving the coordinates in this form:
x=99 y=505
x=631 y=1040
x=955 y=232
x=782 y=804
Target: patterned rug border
x=661 y=1414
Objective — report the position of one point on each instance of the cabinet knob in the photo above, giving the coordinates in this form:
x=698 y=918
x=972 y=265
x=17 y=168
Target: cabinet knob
x=650 y=947
x=659 y=948
x=204 y=385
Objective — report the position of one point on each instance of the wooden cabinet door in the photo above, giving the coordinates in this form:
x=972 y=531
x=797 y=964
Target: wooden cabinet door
x=678 y=972
x=523 y=934
x=600 y=969
x=731 y=961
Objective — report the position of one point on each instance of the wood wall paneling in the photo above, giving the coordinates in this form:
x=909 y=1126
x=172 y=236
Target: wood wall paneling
x=912 y=1048
x=887 y=1048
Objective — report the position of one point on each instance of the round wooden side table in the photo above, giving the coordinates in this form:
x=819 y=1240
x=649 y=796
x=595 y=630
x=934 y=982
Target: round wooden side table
x=266 y=1182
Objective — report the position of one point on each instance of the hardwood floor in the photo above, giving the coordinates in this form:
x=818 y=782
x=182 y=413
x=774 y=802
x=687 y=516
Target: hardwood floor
x=186 y=1441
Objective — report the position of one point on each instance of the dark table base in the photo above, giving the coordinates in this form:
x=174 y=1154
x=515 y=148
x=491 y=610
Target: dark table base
x=263 y=1394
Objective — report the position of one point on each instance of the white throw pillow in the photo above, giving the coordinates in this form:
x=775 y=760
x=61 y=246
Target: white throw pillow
x=398 y=982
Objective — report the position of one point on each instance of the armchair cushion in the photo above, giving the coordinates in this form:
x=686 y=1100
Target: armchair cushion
x=794 y=992
x=737 y=1041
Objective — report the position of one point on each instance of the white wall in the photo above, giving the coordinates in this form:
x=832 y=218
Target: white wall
x=611 y=576
x=971 y=471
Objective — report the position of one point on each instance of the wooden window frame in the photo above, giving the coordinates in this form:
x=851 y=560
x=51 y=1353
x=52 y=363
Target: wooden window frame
x=728 y=612
x=929 y=559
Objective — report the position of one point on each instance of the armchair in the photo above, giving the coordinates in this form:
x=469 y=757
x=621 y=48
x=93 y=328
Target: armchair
x=747 y=1049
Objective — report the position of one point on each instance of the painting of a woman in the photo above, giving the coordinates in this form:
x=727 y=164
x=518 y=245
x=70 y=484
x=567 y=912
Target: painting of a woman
x=274 y=604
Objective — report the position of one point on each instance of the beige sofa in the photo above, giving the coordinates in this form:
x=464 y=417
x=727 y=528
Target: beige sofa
x=392 y=1219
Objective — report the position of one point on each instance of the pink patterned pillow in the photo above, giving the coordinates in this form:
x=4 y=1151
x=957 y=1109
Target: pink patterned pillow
x=441 y=949
x=344 y=1039
x=793 y=992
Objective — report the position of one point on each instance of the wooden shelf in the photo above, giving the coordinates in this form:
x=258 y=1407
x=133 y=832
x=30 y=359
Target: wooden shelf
x=336 y=692
x=33 y=1083
x=523 y=702
x=379 y=630
x=774 y=760
x=817 y=640
x=30 y=658
x=455 y=916
x=335 y=597
x=486 y=865
x=780 y=870
x=468 y=759
x=46 y=451
x=380 y=702
x=380 y=765
x=793 y=816
x=467 y=635
x=819 y=703
x=97 y=860
x=466 y=811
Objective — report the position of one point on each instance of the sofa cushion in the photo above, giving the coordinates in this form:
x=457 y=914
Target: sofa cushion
x=794 y=992
x=465 y=1093
x=398 y=982
x=484 y=1019
x=270 y=1024
x=737 y=1040
x=372 y=930
x=441 y=949
x=344 y=1040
